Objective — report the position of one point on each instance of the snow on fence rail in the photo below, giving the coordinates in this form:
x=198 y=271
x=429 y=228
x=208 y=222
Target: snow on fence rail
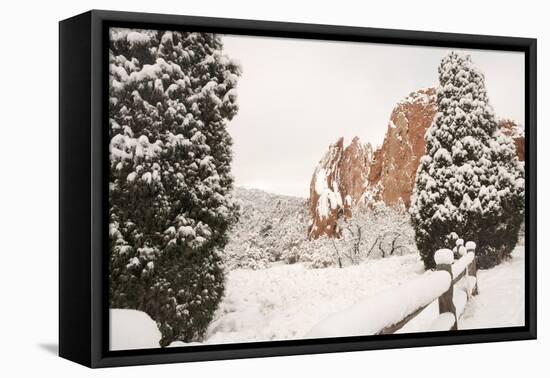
x=389 y=311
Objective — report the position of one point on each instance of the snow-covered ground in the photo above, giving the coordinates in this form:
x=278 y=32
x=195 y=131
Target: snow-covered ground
x=131 y=329
x=287 y=301
x=500 y=303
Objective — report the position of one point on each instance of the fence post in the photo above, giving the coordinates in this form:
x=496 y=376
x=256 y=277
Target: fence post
x=472 y=268
x=444 y=260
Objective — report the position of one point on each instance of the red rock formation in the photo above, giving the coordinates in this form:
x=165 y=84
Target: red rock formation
x=513 y=130
x=346 y=175
x=354 y=171
x=338 y=182
x=393 y=170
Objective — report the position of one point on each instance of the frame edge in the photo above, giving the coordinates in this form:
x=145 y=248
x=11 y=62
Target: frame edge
x=74 y=193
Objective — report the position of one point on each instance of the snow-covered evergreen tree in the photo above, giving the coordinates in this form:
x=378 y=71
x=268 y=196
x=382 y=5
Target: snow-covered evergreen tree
x=171 y=96
x=470 y=181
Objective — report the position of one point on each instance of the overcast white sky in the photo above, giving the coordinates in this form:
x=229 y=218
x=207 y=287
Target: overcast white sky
x=296 y=97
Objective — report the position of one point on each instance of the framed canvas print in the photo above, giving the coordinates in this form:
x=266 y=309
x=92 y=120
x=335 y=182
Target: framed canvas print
x=233 y=188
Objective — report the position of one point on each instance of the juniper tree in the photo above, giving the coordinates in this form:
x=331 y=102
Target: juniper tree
x=470 y=181
x=171 y=95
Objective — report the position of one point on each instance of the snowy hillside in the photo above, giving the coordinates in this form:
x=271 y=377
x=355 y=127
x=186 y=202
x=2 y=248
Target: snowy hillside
x=268 y=225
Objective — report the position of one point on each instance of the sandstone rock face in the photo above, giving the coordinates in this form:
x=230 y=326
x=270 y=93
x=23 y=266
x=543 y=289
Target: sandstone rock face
x=347 y=175
x=338 y=182
x=517 y=133
x=393 y=170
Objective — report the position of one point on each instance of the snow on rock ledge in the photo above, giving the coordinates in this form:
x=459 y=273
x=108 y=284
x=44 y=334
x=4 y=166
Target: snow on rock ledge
x=132 y=329
x=338 y=182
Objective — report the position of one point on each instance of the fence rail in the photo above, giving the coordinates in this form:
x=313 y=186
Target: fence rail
x=451 y=285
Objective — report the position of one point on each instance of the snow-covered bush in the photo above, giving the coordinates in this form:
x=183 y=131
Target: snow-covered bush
x=171 y=95
x=320 y=253
x=291 y=255
x=246 y=257
x=374 y=230
x=470 y=180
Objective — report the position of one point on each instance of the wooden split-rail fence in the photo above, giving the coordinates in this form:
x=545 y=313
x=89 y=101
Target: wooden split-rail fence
x=388 y=312
x=464 y=269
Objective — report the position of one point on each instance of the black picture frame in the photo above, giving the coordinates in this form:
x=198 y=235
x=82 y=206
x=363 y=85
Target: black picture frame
x=83 y=177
